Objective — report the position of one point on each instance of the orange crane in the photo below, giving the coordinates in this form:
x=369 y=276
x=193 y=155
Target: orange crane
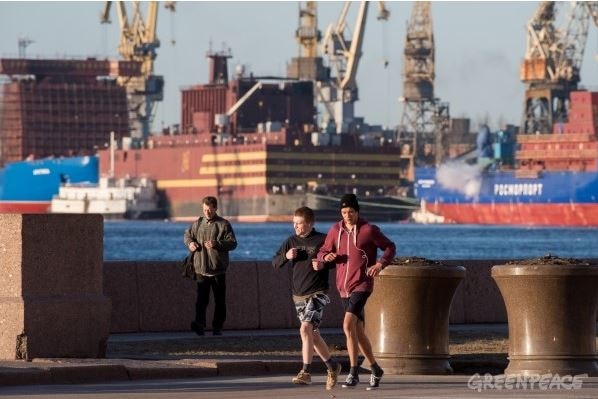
x=138 y=42
x=552 y=64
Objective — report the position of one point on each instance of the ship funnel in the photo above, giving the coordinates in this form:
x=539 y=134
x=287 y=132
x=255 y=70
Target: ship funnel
x=219 y=67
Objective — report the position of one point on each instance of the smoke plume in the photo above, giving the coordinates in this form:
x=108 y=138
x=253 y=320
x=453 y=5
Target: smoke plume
x=461 y=177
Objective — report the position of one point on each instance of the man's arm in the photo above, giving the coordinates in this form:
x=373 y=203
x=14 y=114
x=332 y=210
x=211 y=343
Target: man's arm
x=227 y=240
x=385 y=244
x=280 y=259
x=189 y=237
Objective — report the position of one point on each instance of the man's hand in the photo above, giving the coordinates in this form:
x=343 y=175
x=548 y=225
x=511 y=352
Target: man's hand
x=193 y=246
x=317 y=265
x=329 y=257
x=291 y=254
x=209 y=244
x=374 y=270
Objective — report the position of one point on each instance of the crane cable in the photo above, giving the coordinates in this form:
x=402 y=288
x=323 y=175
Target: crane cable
x=385 y=63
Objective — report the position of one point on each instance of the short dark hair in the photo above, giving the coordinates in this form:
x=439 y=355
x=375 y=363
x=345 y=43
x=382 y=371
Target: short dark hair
x=306 y=213
x=210 y=201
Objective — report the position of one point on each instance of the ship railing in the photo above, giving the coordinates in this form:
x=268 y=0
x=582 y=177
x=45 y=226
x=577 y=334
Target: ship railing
x=556 y=154
x=548 y=137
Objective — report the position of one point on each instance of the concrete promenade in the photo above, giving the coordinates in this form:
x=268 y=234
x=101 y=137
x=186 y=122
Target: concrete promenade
x=132 y=363
x=162 y=355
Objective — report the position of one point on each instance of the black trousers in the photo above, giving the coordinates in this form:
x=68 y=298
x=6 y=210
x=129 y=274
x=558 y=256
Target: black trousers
x=218 y=285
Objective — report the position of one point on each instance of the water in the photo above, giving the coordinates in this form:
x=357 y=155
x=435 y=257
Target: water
x=157 y=240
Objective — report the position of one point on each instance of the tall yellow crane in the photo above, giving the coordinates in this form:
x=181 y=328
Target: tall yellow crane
x=138 y=42
x=308 y=34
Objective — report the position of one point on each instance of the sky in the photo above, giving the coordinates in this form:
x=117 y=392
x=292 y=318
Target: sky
x=479 y=48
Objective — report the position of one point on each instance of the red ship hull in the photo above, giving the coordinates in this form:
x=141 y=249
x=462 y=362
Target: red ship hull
x=519 y=214
x=24 y=207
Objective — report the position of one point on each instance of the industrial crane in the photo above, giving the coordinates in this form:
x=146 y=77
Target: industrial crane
x=138 y=42
x=340 y=93
x=308 y=34
x=552 y=64
x=425 y=118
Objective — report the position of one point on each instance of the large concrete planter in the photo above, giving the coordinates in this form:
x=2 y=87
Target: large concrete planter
x=407 y=316
x=551 y=308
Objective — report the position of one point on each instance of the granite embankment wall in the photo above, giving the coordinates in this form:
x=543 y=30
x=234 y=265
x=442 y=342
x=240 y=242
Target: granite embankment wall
x=152 y=296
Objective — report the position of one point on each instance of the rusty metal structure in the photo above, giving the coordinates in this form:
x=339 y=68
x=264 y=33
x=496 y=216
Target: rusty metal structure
x=139 y=42
x=61 y=107
x=308 y=65
x=425 y=119
x=552 y=64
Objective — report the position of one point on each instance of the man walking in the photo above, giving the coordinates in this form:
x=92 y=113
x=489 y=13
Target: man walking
x=310 y=286
x=211 y=237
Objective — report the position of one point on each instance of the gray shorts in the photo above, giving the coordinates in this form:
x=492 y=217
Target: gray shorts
x=311 y=309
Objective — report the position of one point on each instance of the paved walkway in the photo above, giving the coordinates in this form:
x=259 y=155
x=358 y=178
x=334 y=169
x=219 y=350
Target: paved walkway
x=135 y=366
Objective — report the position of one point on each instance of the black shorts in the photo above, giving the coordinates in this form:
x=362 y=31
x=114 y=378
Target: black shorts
x=356 y=303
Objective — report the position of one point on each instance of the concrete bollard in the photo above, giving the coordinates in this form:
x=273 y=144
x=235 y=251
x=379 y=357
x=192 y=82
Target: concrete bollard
x=407 y=316
x=51 y=300
x=551 y=309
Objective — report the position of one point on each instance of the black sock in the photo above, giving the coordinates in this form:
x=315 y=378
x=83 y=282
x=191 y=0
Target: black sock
x=306 y=367
x=354 y=371
x=376 y=369
x=330 y=364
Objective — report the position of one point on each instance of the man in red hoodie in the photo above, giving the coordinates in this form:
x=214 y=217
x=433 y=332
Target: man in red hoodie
x=352 y=244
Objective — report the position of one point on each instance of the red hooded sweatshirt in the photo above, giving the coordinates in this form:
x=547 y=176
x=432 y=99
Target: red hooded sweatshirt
x=356 y=251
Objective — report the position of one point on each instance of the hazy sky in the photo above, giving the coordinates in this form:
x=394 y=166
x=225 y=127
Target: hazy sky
x=479 y=47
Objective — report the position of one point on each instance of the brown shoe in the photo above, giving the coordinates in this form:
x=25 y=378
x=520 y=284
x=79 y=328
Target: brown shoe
x=332 y=377
x=302 y=378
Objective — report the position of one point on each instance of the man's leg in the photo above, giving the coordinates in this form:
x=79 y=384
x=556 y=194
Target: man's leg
x=320 y=346
x=201 y=303
x=350 y=329
x=364 y=342
x=306 y=333
x=219 y=288
x=307 y=342
x=366 y=348
x=354 y=314
x=334 y=367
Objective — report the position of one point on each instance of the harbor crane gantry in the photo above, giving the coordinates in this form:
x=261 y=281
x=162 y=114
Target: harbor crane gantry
x=139 y=42
x=340 y=92
x=552 y=64
x=425 y=119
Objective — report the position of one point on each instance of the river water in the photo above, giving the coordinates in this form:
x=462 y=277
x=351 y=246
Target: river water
x=159 y=240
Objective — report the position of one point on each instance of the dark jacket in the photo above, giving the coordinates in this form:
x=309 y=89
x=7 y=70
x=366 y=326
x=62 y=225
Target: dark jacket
x=306 y=280
x=213 y=261
x=356 y=252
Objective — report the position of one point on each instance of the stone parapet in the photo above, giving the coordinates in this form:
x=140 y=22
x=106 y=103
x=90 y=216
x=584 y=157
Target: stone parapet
x=153 y=296
x=51 y=287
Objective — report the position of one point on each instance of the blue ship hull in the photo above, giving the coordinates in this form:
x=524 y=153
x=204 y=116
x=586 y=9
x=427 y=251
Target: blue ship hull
x=28 y=186
x=500 y=197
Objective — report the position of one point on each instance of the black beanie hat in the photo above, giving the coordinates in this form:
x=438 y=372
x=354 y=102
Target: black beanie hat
x=349 y=200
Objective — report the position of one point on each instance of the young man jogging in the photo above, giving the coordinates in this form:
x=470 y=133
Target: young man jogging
x=310 y=286
x=352 y=244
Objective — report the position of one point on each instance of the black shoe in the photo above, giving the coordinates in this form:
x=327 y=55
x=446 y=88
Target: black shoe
x=375 y=380
x=197 y=328
x=351 y=381
x=216 y=331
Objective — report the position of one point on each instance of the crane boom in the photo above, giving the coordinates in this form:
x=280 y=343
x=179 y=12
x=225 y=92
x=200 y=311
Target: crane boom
x=354 y=53
x=138 y=42
x=340 y=92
